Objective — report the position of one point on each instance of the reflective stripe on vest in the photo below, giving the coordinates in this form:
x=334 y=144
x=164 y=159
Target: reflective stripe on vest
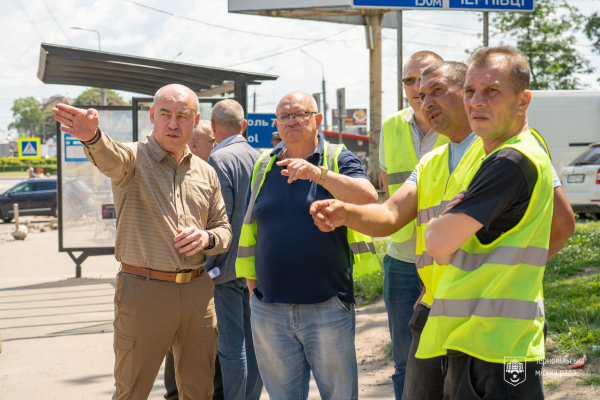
x=436 y=187
x=488 y=301
x=505 y=255
x=488 y=308
x=401 y=160
x=365 y=257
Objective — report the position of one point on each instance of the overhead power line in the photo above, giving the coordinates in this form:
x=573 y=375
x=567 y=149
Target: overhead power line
x=30 y=20
x=292 y=49
x=215 y=25
x=59 y=27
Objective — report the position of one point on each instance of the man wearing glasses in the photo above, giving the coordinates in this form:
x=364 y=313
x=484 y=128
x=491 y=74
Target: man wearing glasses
x=405 y=138
x=301 y=278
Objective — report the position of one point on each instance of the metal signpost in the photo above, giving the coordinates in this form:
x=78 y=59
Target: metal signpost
x=260 y=130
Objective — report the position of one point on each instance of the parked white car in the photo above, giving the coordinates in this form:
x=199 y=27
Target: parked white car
x=581 y=182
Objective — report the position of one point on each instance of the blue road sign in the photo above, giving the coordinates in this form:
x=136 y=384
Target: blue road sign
x=29 y=148
x=465 y=5
x=73 y=149
x=260 y=130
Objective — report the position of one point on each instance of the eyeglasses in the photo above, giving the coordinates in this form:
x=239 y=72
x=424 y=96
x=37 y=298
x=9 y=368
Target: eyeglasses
x=409 y=81
x=298 y=116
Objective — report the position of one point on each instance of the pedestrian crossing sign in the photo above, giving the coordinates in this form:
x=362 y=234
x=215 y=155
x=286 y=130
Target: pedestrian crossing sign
x=29 y=148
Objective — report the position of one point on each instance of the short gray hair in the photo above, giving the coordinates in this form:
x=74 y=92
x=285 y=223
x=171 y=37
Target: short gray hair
x=519 y=70
x=159 y=92
x=457 y=71
x=228 y=114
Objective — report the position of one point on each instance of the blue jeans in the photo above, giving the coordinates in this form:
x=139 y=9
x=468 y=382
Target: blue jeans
x=401 y=289
x=241 y=378
x=293 y=339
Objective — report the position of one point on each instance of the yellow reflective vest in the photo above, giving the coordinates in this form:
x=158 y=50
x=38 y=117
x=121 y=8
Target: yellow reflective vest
x=488 y=302
x=436 y=187
x=365 y=257
x=401 y=160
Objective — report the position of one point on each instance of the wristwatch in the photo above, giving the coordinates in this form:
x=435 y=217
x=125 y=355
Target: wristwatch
x=323 y=175
x=211 y=241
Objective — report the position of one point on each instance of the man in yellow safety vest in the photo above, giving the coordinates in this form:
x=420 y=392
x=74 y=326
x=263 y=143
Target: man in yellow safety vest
x=433 y=184
x=405 y=138
x=488 y=310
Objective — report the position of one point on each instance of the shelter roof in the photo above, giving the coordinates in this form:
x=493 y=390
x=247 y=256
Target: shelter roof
x=81 y=67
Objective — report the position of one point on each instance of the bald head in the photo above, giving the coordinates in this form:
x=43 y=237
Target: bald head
x=300 y=98
x=174 y=114
x=298 y=132
x=176 y=91
x=202 y=141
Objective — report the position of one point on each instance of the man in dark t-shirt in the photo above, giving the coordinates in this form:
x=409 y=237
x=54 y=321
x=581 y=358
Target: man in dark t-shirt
x=303 y=295
x=493 y=242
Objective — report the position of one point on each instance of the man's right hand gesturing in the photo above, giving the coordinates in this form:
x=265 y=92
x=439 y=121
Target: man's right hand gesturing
x=77 y=122
x=328 y=214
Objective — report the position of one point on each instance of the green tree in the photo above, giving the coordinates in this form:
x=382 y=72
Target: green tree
x=27 y=114
x=91 y=97
x=50 y=124
x=546 y=38
x=592 y=31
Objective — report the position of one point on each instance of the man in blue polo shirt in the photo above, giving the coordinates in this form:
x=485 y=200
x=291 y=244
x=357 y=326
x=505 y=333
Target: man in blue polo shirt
x=303 y=302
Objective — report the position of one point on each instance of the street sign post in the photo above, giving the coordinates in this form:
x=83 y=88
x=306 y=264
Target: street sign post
x=260 y=130
x=29 y=148
x=456 y=5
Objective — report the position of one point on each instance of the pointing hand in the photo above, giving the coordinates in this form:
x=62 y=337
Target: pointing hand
x=80 y=123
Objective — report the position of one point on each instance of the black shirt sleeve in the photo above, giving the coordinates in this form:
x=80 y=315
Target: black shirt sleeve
x=499 y=193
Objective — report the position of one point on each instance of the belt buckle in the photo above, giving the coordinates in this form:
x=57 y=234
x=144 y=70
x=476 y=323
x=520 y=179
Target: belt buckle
x=183 y=277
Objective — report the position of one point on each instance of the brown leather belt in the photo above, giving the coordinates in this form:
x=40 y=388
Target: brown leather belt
x=181 y=277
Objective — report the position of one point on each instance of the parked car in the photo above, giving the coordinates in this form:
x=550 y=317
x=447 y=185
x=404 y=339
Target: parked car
x=34 y=197
x=581 y=182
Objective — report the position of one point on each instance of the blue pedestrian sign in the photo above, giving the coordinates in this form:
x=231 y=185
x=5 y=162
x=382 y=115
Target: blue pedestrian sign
x=29 y=148
x=458 y=5
x=260 y=130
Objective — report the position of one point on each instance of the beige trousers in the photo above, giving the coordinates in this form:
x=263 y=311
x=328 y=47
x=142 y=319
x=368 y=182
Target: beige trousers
x=154 y=316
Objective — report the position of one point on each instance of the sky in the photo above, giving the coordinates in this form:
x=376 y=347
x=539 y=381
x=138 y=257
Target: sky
x=128 y=28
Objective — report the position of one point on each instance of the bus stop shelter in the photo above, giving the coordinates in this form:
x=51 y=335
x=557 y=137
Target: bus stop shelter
x=87 y=219
x=73 y=66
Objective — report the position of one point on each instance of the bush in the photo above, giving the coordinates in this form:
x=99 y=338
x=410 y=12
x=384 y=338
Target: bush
x=370 y=287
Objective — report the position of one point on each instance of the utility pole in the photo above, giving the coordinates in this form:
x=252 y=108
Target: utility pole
x=324 y=105
x=254 y=102
x=102 y=90
x=341 y=112
x=399 y=49
x=375 y=54
x=486 y=41
x=324 y=94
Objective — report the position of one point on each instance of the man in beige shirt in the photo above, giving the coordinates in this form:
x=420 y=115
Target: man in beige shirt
x=170 y=216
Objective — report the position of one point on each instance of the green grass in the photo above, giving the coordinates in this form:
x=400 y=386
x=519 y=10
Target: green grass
x=16 y=174
x=573 y=303
x=551 y=384
x=370 y=287
x=387 y=349
x=590 y=380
